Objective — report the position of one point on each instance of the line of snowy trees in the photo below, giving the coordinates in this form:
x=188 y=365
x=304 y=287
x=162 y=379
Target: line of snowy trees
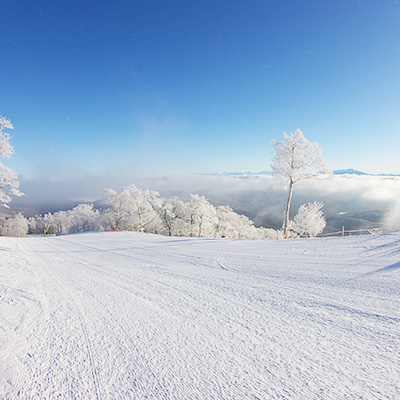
x=143 y=210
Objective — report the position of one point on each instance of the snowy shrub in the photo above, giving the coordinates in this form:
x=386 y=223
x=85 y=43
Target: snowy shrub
x=375 y=231
x=269 y=233
x=309 y=220
x=16 y=226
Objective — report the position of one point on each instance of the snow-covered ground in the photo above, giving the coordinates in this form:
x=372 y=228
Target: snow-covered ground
x=132 y=316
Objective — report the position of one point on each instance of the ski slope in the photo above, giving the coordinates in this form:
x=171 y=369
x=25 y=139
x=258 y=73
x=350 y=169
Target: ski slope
x=124 y=315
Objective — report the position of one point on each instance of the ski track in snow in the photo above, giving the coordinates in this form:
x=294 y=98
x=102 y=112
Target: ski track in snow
x=124 y=315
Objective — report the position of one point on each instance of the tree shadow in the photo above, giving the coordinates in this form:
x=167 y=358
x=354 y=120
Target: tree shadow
x=388 y=268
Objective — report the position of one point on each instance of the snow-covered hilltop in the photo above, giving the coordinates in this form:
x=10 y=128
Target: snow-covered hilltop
x=131 y=316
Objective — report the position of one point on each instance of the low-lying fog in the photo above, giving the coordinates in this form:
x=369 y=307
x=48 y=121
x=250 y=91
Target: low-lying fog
x=356 y=201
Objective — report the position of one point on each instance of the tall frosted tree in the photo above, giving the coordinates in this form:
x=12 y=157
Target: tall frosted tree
x=9 y=184
x=296 y=159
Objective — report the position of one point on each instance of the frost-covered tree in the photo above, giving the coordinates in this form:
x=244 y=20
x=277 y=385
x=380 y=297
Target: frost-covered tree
x=9 y=184
x=32 y=225
x=62 y=222
x=117 y=215
x=172 y=214
x=16 y=226
x=296 y=159
x=43 y=224
x=309 y=220
x=146 y=209
x=133 y=208
x=201 y=217
x=83 y=218
x=233 y=225
x=107 y=220
x=228 y=224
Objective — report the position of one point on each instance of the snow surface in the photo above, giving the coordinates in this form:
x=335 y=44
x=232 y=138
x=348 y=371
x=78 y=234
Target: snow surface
x=124 y=315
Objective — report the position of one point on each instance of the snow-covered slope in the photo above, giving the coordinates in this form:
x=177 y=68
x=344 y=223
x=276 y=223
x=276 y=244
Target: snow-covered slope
x=131 y=316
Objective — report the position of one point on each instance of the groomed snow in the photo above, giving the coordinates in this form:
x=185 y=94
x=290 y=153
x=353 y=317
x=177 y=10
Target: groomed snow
x=132 y=316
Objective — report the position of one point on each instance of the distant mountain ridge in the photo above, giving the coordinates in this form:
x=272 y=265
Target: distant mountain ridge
x=352 y=171
x=349 y=171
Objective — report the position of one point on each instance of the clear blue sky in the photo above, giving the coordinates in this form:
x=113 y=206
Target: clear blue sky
x=148 y=88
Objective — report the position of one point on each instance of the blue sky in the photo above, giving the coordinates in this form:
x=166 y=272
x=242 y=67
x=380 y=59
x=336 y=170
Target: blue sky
x=148 y=88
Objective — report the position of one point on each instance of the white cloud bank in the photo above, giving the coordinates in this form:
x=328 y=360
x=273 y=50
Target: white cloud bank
x=392 y=217
x=259 y=196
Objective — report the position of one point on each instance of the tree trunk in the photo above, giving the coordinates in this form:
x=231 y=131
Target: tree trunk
x=286 y=222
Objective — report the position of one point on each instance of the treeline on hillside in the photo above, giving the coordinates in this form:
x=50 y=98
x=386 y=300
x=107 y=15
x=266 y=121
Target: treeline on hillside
x=143 y=210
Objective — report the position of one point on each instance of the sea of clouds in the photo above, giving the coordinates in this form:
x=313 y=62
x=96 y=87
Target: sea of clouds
x=260 y=196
